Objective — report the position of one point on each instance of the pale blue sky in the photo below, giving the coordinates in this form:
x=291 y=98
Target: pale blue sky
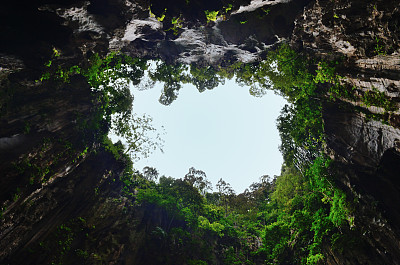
x=225 y=132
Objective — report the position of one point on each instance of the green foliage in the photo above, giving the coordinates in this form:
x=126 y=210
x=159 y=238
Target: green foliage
x=315 y=259
x=376 y=98
x=176 y=23
x=215 y=227
x=173 y=77
x=301 y=129
x=266 y=11
x=227 y=8
x=276 y=236
x=295 y=216
x=115 y=149
x=325 y=74
x=197 y=262
x=379 y=48
x=311 y=211
x=140 y=136
x=17 y=195
x=56 y=53
x=110 y=78
x=289 y=74
x=287 y=186
x=211 y=15
x=181 y=200
x=204 y=78
x=160 y=18
x=306 y=207
x=207 y=222
x=198 y=179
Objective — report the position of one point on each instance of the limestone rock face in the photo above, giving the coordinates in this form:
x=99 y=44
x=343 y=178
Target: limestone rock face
x=81 y=27
x=241 y=36
x=365 y=36
x=368 y=157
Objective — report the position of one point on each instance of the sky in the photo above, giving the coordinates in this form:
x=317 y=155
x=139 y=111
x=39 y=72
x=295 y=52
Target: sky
x=225 y=132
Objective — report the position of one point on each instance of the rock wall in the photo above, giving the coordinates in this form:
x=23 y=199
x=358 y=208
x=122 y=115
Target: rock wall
x=364 y=140
x=53 y=189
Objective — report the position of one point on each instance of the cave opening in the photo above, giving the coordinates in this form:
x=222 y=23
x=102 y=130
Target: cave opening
x=225 y=132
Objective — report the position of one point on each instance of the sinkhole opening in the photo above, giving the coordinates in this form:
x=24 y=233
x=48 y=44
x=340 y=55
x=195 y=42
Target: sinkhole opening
x=222 y=130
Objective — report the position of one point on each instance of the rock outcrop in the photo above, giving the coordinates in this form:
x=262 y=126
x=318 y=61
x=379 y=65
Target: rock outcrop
x=363 y=139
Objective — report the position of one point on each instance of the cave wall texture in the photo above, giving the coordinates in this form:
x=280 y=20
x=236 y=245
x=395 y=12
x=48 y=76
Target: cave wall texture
x=54 y=176
x=367 y=149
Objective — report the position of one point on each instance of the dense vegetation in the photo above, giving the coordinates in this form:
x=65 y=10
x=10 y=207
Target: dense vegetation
x=287 y=219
